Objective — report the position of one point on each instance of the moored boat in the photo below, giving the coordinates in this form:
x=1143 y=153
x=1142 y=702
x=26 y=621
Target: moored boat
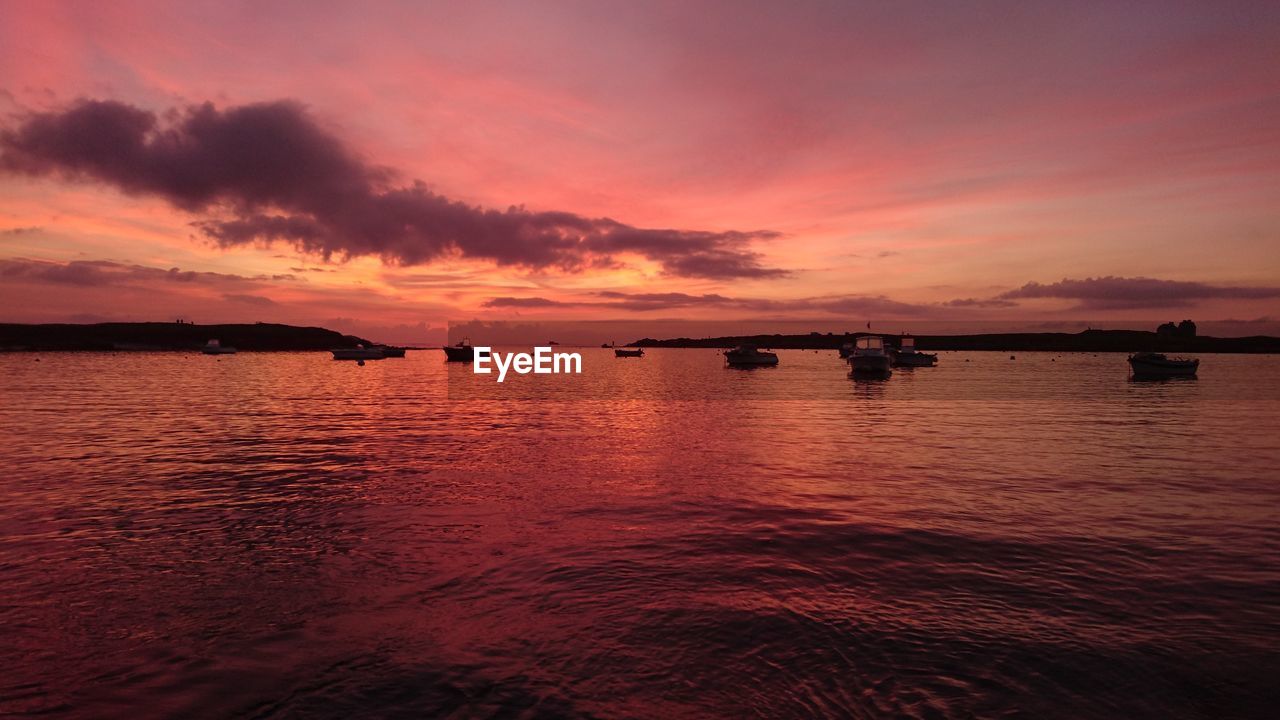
x=1156 y=365
x=462 y=352
x=906 y=355
x=869 y=356
x=359 y=352
x=623 y=352
x=390 y=351
x=749 y=356
x=213 y=347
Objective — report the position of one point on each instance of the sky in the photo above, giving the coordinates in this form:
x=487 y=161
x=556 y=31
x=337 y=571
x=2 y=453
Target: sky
x=387 y=168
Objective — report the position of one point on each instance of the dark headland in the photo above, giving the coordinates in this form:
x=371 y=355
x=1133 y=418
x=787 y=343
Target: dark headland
x=257 y=337
x=1086 y=341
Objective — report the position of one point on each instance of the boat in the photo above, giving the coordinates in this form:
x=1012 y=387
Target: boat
x=1155 y=365
x=390 y=351
x=606 y=345
x=462 y=352
x=749 y=356
x=906 y=355
x=623 y=352
x=846 y=350
x=213 y=347
x=869 y=356
x=359 y=352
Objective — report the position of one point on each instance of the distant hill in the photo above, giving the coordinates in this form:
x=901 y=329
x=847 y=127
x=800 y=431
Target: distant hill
x=170 y=336
x=1087 y=341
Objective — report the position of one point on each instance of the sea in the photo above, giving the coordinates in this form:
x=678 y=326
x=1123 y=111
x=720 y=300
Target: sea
x=282 y=535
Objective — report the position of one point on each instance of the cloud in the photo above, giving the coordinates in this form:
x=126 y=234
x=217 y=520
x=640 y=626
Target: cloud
x=94 y=273
x=642 y=302
x=1118 y=293
x=979 y=303
x=20 y=231
x=268 y=172
x=862 y=305
x=835 y=304
x=249 y=299
x=529 y=302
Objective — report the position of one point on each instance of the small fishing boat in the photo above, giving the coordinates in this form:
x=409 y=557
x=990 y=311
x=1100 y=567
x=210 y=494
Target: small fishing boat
x=462 y=352
x=749 y=356
x=213 y=347
x=907 y=356
x=359 y=352
x=869 y=356
x=390 y=351
x=623 y=352
x=1155 y=365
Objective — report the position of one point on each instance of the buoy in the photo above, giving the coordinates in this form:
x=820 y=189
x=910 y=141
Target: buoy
x=1012 y=357
x=360 y=363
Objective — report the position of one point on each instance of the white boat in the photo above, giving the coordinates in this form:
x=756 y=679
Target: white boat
x=907 y=356
x=358 y=352
x=213 y=347
x=749 y=356
x=869 y=356
x=1155 y=365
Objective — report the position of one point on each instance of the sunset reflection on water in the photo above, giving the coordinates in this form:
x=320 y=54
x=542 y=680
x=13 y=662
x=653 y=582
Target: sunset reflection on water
x=282 y=534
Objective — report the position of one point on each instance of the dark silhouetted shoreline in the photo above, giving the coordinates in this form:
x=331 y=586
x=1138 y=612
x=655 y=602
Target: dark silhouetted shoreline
x=1086 y=341
x=152 y=336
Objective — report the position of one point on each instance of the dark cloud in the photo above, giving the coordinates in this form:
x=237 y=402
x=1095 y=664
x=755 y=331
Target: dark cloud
x=979 y=303
x=19 y=231
x=268 y=172
x=529 y=302
x=249 y=299
x=651 y=302
x=837 y=304
x=444 y=281
x=1094 y=294
x=642 y=302
x=1118 y=293
x=868 y=305
x=92 y=273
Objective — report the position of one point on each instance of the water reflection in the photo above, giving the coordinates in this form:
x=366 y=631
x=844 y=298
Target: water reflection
x=281 y=535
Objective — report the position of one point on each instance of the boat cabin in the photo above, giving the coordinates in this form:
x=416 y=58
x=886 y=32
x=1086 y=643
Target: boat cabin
x=869 y=345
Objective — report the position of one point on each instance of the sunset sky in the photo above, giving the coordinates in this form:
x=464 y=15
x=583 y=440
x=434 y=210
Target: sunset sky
x=386 y=168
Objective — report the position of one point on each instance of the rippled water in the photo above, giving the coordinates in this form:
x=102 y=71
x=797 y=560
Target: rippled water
x=281 y=535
